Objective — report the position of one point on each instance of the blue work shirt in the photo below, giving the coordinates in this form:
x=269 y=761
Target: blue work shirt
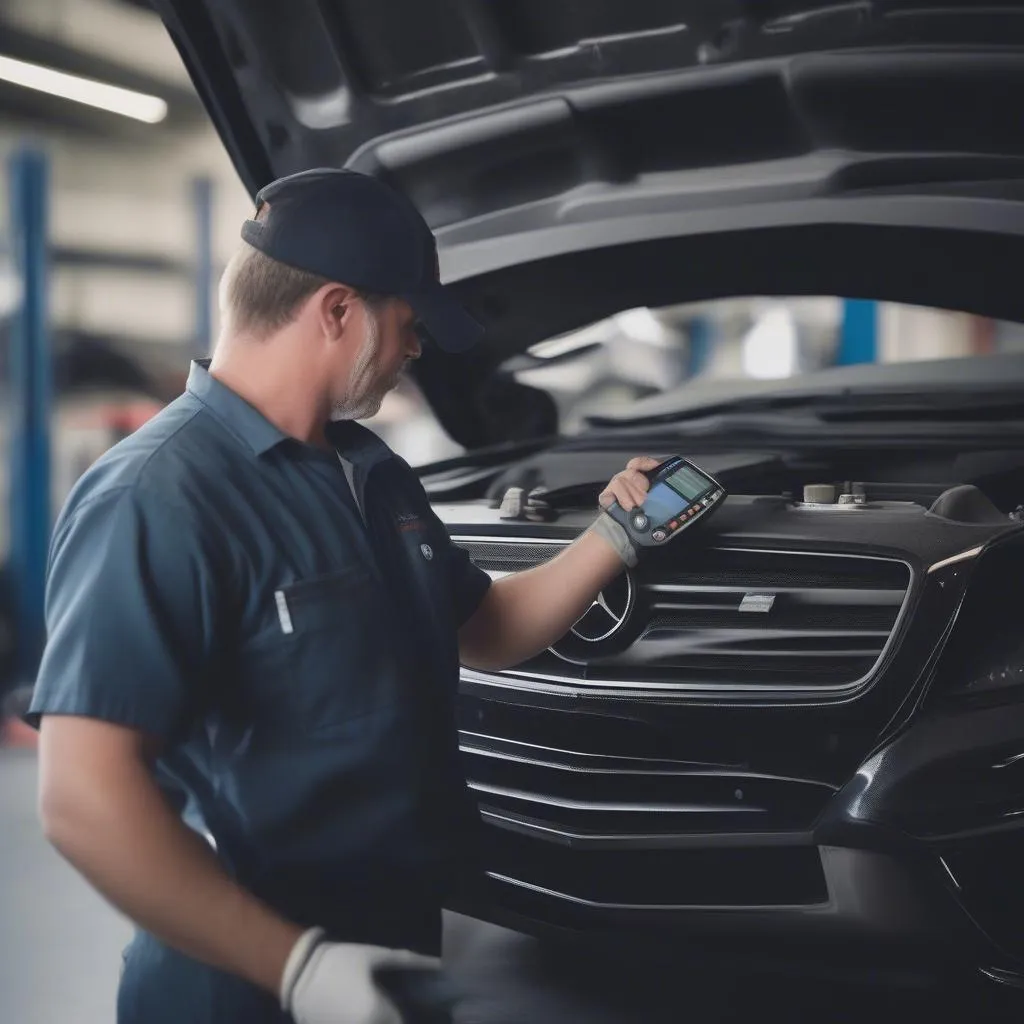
x=285 y=619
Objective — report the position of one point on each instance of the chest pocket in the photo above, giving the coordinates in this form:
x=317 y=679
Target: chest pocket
x=323 y=655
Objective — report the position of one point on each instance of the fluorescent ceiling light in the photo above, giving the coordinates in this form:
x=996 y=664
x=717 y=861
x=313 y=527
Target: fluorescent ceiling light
x=150 y=109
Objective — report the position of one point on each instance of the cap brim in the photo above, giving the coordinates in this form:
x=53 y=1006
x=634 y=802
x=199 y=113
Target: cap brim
x=450 y=326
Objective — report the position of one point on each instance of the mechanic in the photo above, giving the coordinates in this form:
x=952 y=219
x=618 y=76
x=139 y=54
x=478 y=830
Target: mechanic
x=255 y=624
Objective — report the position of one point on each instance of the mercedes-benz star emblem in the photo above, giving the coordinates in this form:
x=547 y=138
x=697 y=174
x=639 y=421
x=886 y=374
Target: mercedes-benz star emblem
x=603 y=624
x=608 y=614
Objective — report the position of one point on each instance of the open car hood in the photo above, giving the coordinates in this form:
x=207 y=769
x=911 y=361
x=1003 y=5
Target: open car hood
x=580 y=157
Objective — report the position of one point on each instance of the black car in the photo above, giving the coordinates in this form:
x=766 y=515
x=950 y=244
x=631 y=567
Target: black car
x=800 y=733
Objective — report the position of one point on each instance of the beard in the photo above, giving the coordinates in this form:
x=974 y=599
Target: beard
x=366 y=391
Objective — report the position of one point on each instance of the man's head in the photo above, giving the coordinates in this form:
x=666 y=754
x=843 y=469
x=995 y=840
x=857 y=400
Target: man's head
x=348 y=269
x=355 y=343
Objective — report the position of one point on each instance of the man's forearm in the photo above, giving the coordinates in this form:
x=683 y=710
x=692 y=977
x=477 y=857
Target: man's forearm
x=112 y=823
x=526 y=612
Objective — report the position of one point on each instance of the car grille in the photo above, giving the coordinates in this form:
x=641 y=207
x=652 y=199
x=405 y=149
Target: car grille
x=596 y=812
x=593 y=800
x=633 y=833
x=729 y=621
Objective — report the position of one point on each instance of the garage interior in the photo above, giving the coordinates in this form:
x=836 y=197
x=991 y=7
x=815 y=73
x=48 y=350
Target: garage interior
x=119 y=211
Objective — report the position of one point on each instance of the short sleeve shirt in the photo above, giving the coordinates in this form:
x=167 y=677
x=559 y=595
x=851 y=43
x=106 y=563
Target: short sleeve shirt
x=288 y=630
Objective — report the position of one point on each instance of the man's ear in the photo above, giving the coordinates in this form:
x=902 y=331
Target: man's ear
x=335 y=308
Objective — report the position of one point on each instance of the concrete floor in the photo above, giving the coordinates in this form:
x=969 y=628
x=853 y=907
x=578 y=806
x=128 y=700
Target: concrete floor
x=61 y=943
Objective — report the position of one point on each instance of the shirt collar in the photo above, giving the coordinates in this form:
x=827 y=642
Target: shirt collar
x=243 y=420
x=356 y=443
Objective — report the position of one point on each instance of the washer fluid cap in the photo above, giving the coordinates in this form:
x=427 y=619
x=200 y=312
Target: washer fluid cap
x=820 y=494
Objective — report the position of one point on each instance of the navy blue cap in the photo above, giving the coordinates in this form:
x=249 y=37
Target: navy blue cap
x=354 y=229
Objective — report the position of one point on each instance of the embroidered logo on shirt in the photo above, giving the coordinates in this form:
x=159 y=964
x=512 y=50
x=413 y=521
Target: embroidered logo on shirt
x=428 y=551
x=408 y=521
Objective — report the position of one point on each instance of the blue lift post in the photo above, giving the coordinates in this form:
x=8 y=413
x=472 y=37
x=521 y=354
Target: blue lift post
x=30 y=387
x=202 y=198
x=858 y=340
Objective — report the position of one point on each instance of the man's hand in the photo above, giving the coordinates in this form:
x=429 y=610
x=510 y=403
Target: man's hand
x=629 y=488
x=333 y=982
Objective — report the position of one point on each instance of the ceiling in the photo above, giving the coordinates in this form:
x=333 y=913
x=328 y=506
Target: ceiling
x=26 y=35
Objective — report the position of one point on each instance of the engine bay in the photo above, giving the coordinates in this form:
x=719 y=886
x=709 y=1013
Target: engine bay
x=980 y=487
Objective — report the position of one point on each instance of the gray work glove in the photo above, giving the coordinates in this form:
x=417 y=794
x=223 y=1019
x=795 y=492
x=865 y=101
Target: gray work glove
x=615 y=534
x=333 y=982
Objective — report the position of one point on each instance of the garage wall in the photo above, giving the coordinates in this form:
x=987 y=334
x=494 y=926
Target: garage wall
x=128 y=200
x=112 y=196
x=910 y=333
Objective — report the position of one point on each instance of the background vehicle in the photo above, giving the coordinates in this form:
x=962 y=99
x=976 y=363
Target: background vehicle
x=804 y=736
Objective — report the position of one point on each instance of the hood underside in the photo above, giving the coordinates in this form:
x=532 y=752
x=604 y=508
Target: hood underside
x=582 y=157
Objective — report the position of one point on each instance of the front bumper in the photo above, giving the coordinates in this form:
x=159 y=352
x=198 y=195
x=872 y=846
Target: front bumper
x=914 y=863
x=883 y=912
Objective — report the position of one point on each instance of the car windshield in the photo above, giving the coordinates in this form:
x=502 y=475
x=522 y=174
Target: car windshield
x=607 y=366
